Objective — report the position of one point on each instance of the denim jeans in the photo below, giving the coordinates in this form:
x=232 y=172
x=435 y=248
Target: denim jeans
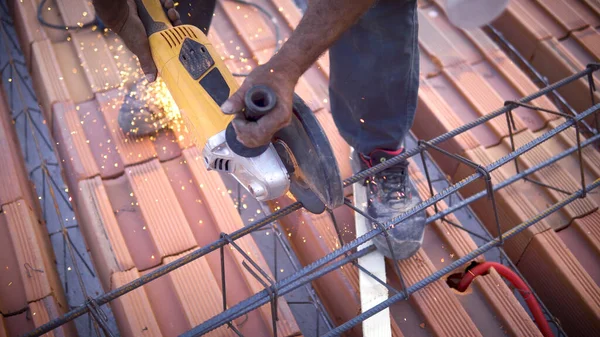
x=374 y=72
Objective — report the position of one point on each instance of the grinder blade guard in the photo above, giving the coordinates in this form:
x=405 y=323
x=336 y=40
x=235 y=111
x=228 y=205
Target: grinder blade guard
x=299 y=159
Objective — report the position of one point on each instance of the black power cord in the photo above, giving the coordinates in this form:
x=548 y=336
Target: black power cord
x=95 y=22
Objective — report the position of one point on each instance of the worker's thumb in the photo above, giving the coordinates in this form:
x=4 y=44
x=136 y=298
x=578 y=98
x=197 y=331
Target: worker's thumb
x=234 y=104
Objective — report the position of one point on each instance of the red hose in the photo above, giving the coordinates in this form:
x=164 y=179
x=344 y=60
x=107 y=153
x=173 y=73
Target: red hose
x=517 y=282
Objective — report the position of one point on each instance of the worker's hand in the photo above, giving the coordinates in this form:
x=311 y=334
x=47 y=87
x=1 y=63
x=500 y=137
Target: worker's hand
x=122 y=18
x=279 y=78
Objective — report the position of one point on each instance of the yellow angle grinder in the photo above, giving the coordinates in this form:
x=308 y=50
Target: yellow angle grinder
x=299 y=158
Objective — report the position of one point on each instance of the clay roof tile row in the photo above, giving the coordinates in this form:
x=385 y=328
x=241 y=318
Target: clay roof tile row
x=117 y=180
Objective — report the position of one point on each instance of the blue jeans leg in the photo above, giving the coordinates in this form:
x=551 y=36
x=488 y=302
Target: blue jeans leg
x=374 y=77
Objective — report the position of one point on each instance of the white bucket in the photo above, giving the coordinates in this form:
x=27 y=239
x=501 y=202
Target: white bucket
x=469 y=14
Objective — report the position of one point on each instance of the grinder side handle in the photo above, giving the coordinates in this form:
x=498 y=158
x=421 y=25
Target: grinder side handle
x=259 y=101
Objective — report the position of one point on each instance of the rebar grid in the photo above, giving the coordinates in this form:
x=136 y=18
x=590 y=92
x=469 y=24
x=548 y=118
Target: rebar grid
x=274 y=289
x=28 y=116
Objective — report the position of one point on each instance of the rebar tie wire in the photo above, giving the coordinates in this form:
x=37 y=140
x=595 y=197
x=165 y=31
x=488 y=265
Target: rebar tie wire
x=309 y=273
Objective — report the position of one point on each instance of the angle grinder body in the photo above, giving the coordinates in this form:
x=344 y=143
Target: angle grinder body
x=299 y=160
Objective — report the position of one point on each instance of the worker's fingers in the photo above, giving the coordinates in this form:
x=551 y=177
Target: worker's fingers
x=253 y=134
x=134 y=36
x=173 y=15
x=169 y=4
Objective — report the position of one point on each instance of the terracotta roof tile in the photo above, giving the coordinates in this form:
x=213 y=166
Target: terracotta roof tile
x=552 y=58
x=563 y=13
x=31 y=293
x=89 y=137
x=436 y=45
x=427 y=66
x=514 y=205
x=586 y=11
x=589 y=226
x=14 y=182
x=289 y=11
x=462 y=110
x=126 y=62
x=499 y=295
x=443 y=312
x=553 y=175
x=12 y=289
x=132 y=224
x=589 y=38
x=480 y=94
x=552 y=269
x=582 y=46
x=97 y=61
x=194 y=285
x=77 y=12
x=556 y=62
x=250 y=23
x=217 y=199
x=525 y=30
x=312 y=237
x=26 y=24
x=44 y=310
x=202 y=223
x=132 y=232
x=104 y=140
x=591 y=157
x=32 y=248
x=594 y=5
x=72 y=144
x=435 y=117
x=133 y=310
x=3 y=332
x=191 y=183
x=510 y=74
x=434 y=17
x=582 y=241
x=159 y=207
x=72 y=72
x=536 y=12
x=18 y=325
x=101 y=230
x=47 y=77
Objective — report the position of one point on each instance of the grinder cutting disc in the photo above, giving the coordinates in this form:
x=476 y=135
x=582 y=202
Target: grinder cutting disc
x=315 y=179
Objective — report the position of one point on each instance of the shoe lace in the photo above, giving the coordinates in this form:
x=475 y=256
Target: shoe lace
x=392 y=183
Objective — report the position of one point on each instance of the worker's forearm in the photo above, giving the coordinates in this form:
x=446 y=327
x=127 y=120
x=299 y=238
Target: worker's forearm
x=323 y=23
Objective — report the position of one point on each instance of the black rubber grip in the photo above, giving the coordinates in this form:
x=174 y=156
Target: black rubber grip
x=147 y=20
x=259 y=101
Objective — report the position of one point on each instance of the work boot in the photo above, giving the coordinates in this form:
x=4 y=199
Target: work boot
x=138 y=116
x=390 y=193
